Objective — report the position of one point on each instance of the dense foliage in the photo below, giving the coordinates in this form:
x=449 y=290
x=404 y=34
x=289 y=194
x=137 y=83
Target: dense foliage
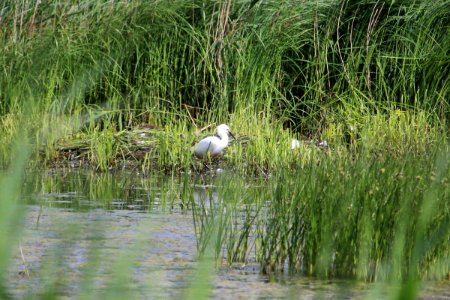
x=308 y=62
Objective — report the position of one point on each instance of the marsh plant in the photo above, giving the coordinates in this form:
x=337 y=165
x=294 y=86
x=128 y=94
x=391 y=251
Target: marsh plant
x=372 y=217
x=135 y=84
x=105 y=70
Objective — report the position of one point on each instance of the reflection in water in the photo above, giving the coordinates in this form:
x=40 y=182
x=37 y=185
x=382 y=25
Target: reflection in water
x=163 y=244
x=83 y=229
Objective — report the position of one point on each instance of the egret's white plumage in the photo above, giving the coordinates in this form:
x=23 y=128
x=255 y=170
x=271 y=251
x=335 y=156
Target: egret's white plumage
x=213 y=144
x=295 y=144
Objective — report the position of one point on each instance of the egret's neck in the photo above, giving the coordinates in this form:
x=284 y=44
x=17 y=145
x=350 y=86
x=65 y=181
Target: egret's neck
x=223 y=138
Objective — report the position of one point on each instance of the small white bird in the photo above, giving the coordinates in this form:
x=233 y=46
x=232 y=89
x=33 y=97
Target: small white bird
x=213 y=144
x=295 y=144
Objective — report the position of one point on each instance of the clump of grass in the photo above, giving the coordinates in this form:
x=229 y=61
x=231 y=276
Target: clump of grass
x=372 y=217
x=310 y=67
x=369 y=77
x=398 y=131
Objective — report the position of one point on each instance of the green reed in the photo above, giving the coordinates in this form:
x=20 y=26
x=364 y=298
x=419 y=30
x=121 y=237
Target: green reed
x=312 y=67
x=374 y=217
x=81 y=79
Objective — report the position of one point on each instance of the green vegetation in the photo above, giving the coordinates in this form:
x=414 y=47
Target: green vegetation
x=103 y=71
x=111 y=84
x=373 y=218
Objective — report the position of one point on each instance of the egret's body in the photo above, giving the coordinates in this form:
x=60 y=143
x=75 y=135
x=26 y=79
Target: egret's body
x=295 y=144
x=212 y=144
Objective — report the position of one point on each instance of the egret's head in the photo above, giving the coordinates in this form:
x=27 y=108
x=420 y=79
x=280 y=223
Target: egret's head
x=223 y=129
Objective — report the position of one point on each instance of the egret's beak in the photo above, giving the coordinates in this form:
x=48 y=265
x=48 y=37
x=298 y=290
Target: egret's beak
x=232 y=135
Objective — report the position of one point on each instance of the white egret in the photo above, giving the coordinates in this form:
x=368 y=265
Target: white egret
x=295 y=144
x=213 y=144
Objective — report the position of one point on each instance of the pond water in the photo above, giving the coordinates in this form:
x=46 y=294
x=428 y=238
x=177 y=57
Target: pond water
x=86 y=232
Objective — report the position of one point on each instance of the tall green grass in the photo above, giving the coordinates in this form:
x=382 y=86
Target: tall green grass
x=302 y=65
x=373 y=217
x=81 y=79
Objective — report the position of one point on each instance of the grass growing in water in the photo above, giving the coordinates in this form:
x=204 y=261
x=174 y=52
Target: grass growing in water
x=369 y=77
x=372 y=217
x=364 y=217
